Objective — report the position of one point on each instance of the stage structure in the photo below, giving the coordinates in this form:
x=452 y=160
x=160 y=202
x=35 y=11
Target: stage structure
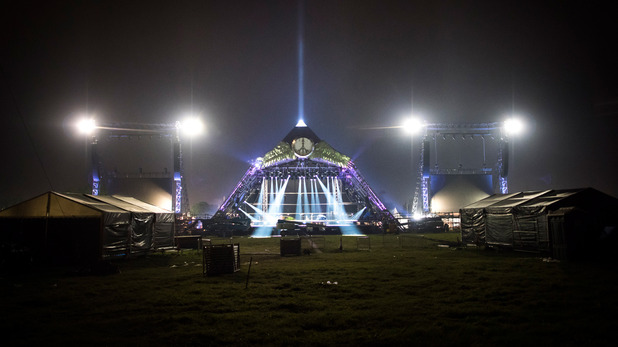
x=481 y=133
x=305 y=180
x=180 y=200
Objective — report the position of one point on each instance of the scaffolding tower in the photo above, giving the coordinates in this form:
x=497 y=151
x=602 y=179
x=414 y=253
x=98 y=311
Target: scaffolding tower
x=484 y=131
x=180 y=199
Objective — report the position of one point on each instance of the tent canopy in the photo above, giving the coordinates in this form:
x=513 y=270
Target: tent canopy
x=528 y=220
x=74 y=225
x=52 y=205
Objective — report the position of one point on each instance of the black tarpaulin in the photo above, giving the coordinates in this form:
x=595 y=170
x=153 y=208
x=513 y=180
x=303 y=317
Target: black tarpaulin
x=164 y=221
x=73 y=227
x=473 y=226
x=116 y=224
x=528 y=221
x=142 y=223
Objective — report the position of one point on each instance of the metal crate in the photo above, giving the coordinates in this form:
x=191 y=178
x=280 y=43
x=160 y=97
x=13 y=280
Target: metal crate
x=220 y=259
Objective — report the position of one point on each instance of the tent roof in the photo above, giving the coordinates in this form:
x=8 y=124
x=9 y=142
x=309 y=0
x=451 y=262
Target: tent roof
x=518 y=199
x=551 y=197
x=488 y=201
x=56 y=205
x=142 y=204
x=120 y=203
x=539 y=198
x=76 y=205
x=85 y=200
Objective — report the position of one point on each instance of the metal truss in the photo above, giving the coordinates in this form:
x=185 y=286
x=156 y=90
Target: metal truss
x=350 y=177
x=456 y=131
x=139 y=130
x=426 y=206
x=421 y=185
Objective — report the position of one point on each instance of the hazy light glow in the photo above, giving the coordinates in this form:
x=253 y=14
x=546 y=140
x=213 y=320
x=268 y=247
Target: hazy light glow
x=86 y=126
x=412 y=125
x=190 y=126
x=301 y=124
x=513 y=126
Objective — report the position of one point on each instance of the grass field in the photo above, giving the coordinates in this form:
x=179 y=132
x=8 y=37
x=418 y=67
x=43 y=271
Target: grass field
x=405 y=290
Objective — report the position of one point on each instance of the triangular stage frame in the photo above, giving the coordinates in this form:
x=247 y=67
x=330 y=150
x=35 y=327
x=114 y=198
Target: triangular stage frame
x=304 y=180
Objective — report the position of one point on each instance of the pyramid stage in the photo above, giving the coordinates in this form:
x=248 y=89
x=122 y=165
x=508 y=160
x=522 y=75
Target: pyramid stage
x=303 y=185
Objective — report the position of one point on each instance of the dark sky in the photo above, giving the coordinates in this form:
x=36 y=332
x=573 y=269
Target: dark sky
x=366 y=63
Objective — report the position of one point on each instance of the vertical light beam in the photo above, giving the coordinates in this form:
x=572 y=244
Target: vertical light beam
x=301 y=68
x=299 y=206
x=260 y=201
x=305 y=199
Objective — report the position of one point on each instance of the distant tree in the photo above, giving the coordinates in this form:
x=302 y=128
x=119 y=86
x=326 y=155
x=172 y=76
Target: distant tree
x=201 y=208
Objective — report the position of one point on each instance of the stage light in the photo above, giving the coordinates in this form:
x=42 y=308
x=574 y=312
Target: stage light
x=513 y=126
x=190 y=126
x=86 y=126
x=412 y=125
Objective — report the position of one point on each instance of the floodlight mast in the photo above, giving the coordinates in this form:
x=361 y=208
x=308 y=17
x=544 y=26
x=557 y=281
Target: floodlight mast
x=87 y=126
x=178 y=173
x=412 y=126
x=501 y=130
x=96 y=166
x=129 y=130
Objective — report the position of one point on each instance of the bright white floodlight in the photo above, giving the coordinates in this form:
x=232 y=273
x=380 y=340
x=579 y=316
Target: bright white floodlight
x=86 y=126
x=513 y=126
x=190 y=126
x=412 y=125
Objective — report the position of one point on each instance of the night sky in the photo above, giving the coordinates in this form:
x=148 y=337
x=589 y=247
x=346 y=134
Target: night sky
x=366 y=64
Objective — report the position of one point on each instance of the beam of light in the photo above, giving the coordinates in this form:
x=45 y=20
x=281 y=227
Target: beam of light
x=350 y=230
x=253 y=219
x=314 y=199
x=358 y=214
x=301 y=69
x=274 y=210
x=299 y=206
x=277 y=206
x=326 y=191
x=306 y=206
x=257 y=210
x=335 y=207
x=337 y=202
x=338 y=208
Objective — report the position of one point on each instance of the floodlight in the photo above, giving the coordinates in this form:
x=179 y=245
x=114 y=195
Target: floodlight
x=412 y=125
x=86 y=126
x=513 y=126
x=191 y=126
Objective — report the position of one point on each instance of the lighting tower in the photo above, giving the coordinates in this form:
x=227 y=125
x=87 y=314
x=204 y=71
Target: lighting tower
x=180 y=199
x=502 y=131
x=131 y=130
x=96 y=166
